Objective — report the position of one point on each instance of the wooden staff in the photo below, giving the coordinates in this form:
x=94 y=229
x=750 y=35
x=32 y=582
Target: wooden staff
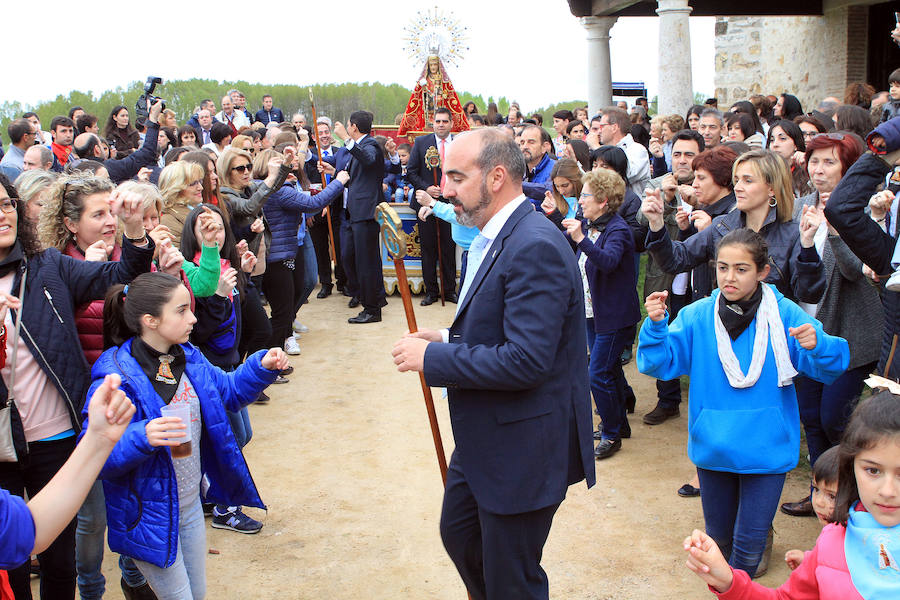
x=395 y=242
x=327 y=208
x=434 y=161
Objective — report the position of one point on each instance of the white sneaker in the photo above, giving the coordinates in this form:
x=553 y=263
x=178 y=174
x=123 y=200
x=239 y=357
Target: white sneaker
x=291 y=346
x=300 y=327
x=893 y=283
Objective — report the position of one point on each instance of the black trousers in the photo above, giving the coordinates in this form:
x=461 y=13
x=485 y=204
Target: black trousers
x=497 y=556
x=318 y=231
x=362 y=263
x=428 y=236
x=282 y=287
x=57 y=561
x=256 y=331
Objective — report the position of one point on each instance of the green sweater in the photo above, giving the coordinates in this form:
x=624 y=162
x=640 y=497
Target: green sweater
x=204 y=278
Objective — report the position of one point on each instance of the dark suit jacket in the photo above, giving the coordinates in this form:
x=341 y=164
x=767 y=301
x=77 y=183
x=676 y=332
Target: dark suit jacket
x=516 y=372
x=366 y=174
x=274 y=115
x=417 y=172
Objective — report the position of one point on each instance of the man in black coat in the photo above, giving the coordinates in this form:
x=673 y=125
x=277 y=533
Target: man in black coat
x=427 y=150
x=360 y=251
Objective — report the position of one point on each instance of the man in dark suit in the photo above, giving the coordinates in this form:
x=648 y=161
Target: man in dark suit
x=360 y=251
x=515 y=368
x=318 y=229
x=425 y=177
x=268 y=113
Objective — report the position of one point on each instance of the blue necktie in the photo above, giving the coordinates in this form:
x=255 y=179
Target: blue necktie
x=326 y=153
x=473 y=262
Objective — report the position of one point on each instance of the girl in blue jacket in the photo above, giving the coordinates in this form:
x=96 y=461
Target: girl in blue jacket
x=152 y=499
x=742 y=346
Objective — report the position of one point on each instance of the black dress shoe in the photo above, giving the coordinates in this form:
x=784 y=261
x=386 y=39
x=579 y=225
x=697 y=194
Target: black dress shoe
x=354 y=302
x=627 y=355
x=428 y=300
x=630 y=401
x=452 y=298
x=660 y=414
x=325 y=291
x=624 y=432
x=798 y=509
x=365 y=317
x=345 y=292
x=688 y=491
x=286 y=372
x=607 y=448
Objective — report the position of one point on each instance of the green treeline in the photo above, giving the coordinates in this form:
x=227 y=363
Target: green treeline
x=334 y=100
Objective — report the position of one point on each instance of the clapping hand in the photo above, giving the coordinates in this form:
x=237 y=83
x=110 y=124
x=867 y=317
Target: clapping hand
x=656 y=306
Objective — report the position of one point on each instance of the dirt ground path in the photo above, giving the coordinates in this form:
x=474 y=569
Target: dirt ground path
x=344 y=459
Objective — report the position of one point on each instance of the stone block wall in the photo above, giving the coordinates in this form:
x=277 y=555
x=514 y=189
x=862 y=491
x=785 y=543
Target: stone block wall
x=809 y=57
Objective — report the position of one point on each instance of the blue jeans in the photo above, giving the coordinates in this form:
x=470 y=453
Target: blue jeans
x=185 y=579
x=89 y=546
x=738 y=510
x=310 y=273
x=825 y=409
x=608 y=379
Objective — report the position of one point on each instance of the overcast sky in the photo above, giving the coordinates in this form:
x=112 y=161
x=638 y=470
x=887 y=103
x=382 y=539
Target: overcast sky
x=536 y=55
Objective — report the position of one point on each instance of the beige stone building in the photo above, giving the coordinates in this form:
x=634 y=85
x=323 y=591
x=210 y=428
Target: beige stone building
x=809 y=48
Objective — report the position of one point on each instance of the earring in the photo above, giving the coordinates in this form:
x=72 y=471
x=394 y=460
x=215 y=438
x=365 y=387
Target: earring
x=772 y=201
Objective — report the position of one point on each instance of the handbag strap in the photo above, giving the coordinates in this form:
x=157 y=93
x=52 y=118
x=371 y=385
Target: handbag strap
x=15 y=341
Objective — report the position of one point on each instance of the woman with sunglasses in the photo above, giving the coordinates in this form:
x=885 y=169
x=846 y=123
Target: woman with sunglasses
x=850 y=308
x=48 y=379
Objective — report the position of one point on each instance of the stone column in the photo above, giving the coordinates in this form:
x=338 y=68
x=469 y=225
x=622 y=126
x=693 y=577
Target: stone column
x=599 y=70
x=676 y=89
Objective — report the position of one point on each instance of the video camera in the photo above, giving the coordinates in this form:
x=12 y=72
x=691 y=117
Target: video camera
x=145 y=100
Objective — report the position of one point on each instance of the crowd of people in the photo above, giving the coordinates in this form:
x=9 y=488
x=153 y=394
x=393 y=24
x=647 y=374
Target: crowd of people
x=771 y=278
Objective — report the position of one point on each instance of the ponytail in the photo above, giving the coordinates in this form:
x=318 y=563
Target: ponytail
x=126 y=304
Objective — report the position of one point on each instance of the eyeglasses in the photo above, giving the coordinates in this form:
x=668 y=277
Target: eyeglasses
x=241 y=168
x=195 y=183
x=831 y=136
x=8 y=205
x=583 y=195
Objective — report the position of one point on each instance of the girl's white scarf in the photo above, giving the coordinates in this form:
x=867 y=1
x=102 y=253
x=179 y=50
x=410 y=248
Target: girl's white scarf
x=768 y=328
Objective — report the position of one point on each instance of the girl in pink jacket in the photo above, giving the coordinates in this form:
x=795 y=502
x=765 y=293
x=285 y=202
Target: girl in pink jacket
x=856 y=556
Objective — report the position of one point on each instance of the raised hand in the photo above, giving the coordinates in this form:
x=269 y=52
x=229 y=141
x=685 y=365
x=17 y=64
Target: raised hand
x=549 y=202
x=99 y=251
x=258 y=226
x=880 y=203
x=652 y=207
x=160 y=234
x=6 y=302
x=248 y=261
x=700 y=219
x=809 y=224
x=706 y=560
x=227 y=281
x=343 y=177
x=424 y=212
x=209 y=227
x=170 y=259
x=683 y=219
x=805 y=335
x=109 y=410
x=656 y=306
x=339 y=131
x=573 y=229
x=129 y=207
x=275 y=360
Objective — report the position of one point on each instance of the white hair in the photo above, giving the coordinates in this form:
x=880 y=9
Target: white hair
x=324 y=120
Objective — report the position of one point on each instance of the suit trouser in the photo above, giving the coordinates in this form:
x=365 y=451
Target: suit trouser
x=497 y=556
x=428 y=239
x=363 y=263
x=319 y=234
